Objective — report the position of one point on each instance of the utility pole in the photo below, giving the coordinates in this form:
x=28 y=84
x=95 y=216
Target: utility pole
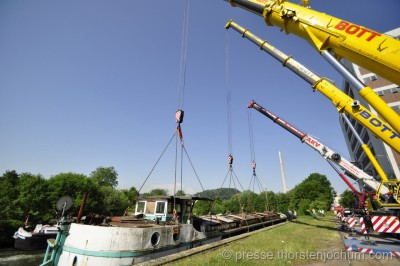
x=283 y=173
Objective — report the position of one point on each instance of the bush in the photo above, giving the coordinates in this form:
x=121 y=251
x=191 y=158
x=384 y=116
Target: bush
x=304 y=207
x=7 y=230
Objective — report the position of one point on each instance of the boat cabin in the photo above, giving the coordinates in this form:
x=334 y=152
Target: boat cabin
x=166 y=208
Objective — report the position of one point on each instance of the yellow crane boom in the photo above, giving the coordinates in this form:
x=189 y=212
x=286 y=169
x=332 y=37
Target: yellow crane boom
x=335 y=38
x=372 y=50
x=341 y=101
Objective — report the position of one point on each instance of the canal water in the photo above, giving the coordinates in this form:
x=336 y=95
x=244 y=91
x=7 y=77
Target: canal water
x=14 y=257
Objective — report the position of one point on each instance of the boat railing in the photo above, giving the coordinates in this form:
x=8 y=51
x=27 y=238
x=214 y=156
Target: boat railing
x=54 y=244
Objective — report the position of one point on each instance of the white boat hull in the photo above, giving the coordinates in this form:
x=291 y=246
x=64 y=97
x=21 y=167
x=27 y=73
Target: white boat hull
x=96 y=245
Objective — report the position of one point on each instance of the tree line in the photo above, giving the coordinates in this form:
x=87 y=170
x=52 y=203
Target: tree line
x=32 y=196
x=314 y=192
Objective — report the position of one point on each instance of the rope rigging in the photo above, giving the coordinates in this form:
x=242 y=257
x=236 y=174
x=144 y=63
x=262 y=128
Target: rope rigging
x=254 y=179
x=182 y=67
x=158 y=160
x=231 y=173
x=232 y=176
x=228 y=96
x=181 y=95
x=179 y=115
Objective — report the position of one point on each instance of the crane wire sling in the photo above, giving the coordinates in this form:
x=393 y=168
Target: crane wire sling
x=180 y=112
x=254 y=179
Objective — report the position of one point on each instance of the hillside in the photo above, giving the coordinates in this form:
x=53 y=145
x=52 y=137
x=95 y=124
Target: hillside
x=222 y=193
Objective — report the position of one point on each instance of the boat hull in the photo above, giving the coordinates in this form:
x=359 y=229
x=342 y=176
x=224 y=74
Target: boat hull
x=98 y=245
x=34 y=242
x=36 y=239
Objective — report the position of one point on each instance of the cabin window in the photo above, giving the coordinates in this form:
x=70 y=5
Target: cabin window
x=171 y=207
x=178 y=208
x=140 y=207
x=160 y=207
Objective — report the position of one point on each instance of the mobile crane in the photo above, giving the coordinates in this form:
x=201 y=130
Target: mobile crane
x=383 y=193
x=387 y=217
x=342 y=101
x=334 y=39
x=365 y=47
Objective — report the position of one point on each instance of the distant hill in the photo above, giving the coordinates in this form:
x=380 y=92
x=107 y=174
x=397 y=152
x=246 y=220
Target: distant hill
x=222 y=193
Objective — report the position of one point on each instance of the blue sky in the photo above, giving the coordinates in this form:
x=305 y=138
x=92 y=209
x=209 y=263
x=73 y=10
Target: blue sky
x=95 y=83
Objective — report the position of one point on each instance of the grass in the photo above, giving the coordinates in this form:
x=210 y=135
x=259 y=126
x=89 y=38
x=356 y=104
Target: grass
x=299 y=242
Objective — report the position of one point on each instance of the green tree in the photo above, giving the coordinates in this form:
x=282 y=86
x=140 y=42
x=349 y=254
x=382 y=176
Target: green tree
x=222 y=193
x=304 y=207
x=8 y=193
x=282 y=201
x=314 y=187
x=131 y=194
x=202 y=207
x=115 y=202
x=268 y=200
x=319 y=205
x=233 y=205
x=157 y=192
x=242 y=202
x=251 y=201
x=75 y=186
x=180 y=193
x=218 y=207
x=20 y=196
x=105 y=176
x=32 y=199
x=347 y=199
x=265 y=201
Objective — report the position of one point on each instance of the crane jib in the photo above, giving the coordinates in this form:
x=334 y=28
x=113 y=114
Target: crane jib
x=375 y=51
x=387 y=132
x=377 y=123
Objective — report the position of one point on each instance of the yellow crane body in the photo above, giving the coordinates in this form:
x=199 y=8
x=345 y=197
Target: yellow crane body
x=341 y=100
x=372 y=50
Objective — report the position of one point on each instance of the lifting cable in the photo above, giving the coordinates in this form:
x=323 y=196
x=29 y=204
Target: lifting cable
x=181 y=93
x=254 y=179
x=182 y=67
x=169 y=142
x=181 y=86
x=228 y=95
x=180 y=112
x=231 y=173
x=253 y=161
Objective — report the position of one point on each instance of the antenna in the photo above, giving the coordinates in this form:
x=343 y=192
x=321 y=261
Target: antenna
x=283 y=173
x=64 y=204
